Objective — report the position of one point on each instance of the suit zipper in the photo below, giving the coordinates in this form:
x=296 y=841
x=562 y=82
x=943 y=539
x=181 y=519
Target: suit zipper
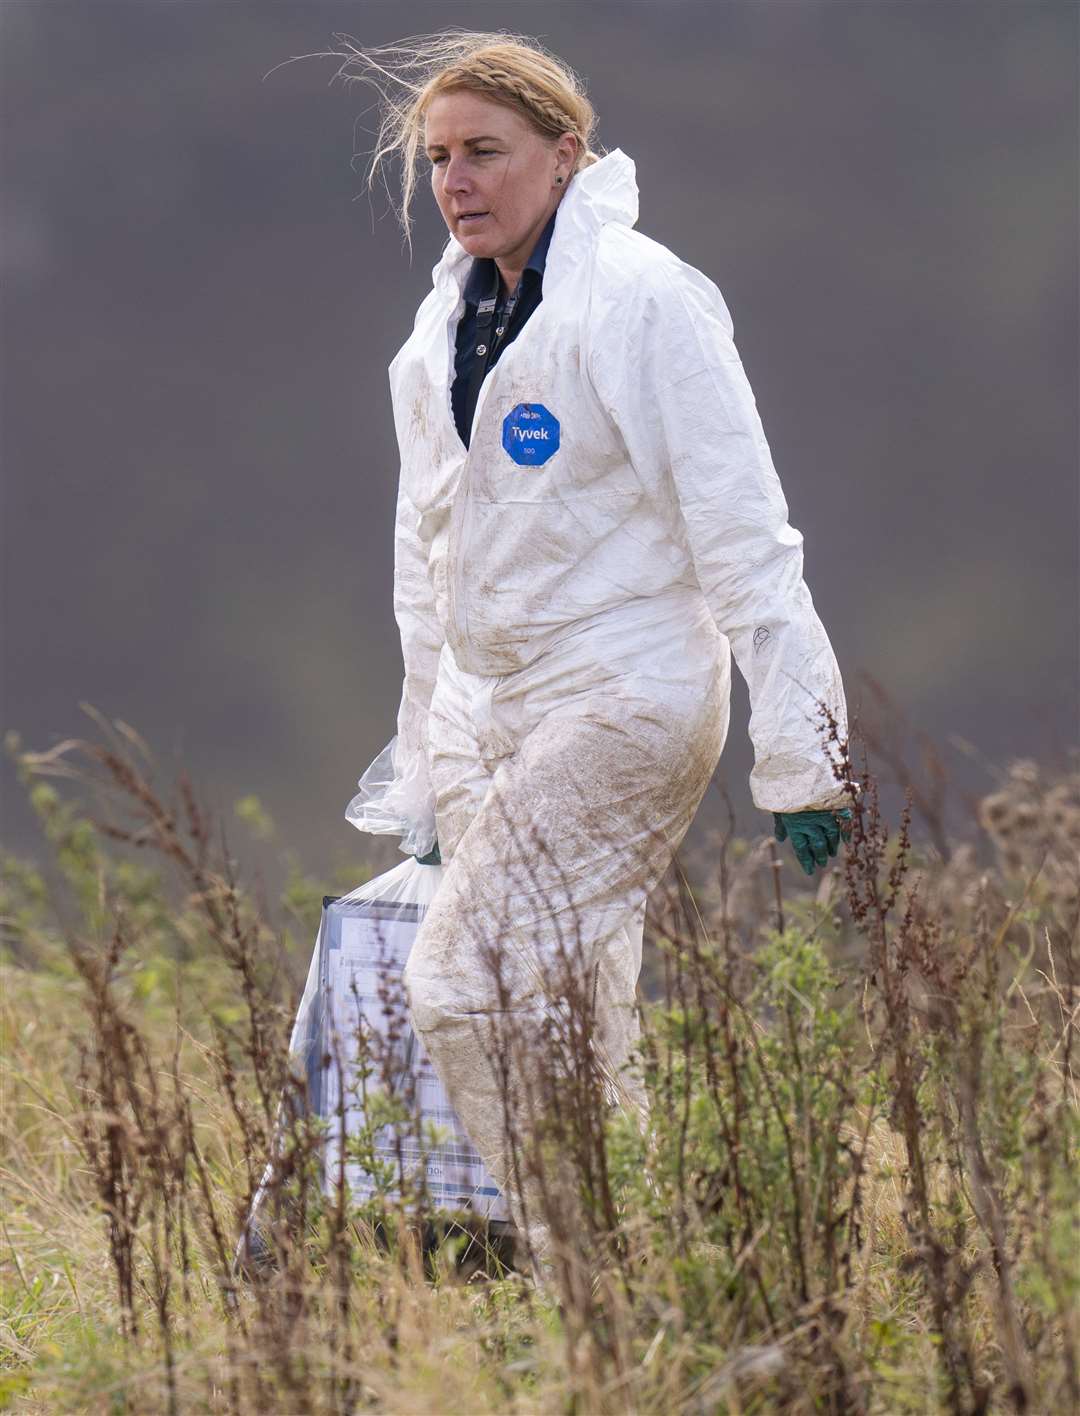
x=460 y=511
x=455 y=578
x=458 y=613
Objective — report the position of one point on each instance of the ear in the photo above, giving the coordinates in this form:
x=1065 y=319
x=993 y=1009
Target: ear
x=566 y=154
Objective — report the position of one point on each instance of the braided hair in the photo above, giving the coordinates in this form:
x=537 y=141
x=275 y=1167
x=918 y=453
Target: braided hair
x=506 y=68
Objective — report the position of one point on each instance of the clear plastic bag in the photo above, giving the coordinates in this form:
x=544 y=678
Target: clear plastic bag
x=395 y=799
x=354 y=990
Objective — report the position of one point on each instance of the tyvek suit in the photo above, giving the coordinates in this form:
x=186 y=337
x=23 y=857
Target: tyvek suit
x=569 y=591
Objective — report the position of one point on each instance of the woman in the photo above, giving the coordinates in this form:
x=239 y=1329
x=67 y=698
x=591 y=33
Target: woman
x=588 y=525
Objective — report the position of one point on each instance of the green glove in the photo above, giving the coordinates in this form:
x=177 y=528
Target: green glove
x=815 y=835
x=432 y=858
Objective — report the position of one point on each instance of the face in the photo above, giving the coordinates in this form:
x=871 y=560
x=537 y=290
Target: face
x=493 y=175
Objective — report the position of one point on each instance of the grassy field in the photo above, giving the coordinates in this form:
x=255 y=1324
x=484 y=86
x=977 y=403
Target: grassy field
x=857 y=1191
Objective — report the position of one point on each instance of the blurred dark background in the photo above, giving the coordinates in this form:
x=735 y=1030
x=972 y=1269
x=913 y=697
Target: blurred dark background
x=201 y=301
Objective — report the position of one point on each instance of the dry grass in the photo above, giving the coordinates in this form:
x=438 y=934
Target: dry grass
x=856 y=1192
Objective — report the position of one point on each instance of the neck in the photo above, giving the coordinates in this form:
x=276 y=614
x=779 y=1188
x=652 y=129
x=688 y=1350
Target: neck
x=511 y=269
x=510 y=276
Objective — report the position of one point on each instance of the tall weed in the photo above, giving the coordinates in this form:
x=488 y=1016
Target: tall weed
x=855 y=1189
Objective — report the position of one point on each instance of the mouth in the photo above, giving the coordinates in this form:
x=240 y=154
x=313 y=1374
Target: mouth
x=473 y=218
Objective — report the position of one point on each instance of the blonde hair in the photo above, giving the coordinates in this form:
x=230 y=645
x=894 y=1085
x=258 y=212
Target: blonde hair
x=507 y=68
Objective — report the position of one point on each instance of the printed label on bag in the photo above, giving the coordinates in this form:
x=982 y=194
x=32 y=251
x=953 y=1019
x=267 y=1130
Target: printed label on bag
x=530 y=434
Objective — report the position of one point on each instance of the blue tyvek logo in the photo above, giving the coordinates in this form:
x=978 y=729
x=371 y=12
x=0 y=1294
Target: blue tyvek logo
x=530 y=434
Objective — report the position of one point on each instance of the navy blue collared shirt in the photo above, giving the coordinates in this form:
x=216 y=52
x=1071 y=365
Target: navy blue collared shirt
x=479 y=283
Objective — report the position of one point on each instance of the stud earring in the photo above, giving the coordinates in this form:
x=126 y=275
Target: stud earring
x=558 y=179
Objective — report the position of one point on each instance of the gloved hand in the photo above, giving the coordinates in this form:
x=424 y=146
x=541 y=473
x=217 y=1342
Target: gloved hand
x=815 y=835
x=432 y=858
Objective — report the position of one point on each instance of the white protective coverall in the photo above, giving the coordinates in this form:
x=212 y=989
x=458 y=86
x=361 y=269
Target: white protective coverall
x=569 y=591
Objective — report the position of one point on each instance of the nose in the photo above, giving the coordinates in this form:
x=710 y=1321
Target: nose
x=455 y=178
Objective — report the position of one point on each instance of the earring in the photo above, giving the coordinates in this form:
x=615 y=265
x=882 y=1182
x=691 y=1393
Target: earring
x=558 y=179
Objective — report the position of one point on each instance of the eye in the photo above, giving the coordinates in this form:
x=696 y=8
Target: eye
x=477 y=152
